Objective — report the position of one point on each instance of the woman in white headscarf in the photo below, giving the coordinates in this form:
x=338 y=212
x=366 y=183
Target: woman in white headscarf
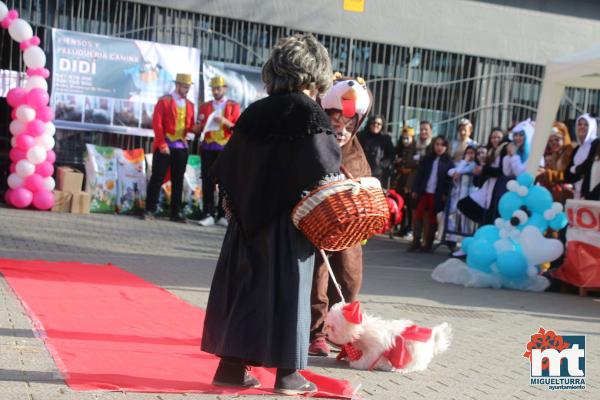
x=583 y=156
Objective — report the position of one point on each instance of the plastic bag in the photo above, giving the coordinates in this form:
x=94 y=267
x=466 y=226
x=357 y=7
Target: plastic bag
x=457 y=272
x=101 y=177
x=131 y=194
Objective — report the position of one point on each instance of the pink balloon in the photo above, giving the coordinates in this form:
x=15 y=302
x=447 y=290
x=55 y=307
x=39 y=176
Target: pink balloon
x=43 y=200
x=37 y=98
x=45 y=169
x=12 y=168
x=50 y=156
x=34 y=182
x=35 y=127
x=45 y=114
x=13 y=114
x=24 y=141
x=8 y=197
x=21 y=197
x=16 y=97
x=17 y=155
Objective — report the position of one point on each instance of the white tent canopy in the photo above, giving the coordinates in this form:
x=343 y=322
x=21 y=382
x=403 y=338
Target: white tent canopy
x=577 y=70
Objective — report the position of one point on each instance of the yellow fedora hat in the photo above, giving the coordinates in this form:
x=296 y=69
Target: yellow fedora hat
x=217 y=81
x=184 y=79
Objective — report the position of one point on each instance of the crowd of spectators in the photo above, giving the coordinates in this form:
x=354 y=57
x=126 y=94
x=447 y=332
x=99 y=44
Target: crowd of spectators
x=451 y=187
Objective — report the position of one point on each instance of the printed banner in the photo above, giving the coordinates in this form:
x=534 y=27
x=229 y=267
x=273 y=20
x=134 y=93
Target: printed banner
x=244 y=83
x=111 y=84
x=584 y=221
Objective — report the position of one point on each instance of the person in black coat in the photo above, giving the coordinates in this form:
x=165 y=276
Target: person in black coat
x=258 y=310
x=378 y=148
x=430 y=191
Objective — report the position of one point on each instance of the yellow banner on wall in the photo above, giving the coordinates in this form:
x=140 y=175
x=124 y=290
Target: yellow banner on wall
x=354 y=5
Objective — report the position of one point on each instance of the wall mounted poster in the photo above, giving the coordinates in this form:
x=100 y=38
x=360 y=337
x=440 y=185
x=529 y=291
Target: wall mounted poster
x=111 y=84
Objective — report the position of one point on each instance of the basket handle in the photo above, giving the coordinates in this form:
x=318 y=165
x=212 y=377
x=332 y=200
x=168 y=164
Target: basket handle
x=346 y=172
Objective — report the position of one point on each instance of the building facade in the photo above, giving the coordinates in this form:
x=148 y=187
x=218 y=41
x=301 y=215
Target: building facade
x=423 y=59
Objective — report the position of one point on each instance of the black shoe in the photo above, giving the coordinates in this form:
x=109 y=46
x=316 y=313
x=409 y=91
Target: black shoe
x=291 y=383
x=234 y=374
x=148 y=216
x=178 y=218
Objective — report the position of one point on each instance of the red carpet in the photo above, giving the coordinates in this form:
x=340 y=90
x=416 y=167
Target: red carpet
x=108 y=329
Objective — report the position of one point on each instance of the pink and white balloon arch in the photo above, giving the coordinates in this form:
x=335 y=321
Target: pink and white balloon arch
x=32 y=158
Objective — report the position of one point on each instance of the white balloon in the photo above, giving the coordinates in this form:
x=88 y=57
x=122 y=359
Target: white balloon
x=36 y=154
x=24 y=168
x=549 y=215
x=13 y=141
x=20 y=30
x=537 y=249
x=16 y=127
x=504 y=233
x=557 y=207
x=512 y=185
x=14 y=181
x=499 y=222
x=34 y=57
x=49 y=183
x=34 y=82
x=25 y=114
x=3 y=10
x=50 y=129
x=46 y=141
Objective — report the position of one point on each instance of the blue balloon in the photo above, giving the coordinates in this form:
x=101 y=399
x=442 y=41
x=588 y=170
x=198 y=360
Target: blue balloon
x=538 y=199
x=512 y=265
x=538 y=221
x=525 y=179
x=488 y=233
x=481 y=255
x=559 y=221
x=466 y=243
x=509 y=203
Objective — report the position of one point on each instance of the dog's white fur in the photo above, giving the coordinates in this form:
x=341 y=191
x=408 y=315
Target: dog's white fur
x=375 y=336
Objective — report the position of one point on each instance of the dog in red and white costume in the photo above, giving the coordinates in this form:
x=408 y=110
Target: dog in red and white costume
x=369 y=342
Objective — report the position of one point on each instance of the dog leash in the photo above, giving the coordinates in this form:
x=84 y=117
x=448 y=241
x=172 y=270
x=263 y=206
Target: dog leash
x=335 y=282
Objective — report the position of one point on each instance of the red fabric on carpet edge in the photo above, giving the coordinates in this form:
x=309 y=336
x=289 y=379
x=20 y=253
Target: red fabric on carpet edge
x=108 y=329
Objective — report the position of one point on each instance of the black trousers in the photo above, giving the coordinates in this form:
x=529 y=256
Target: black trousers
x=208 y=158
x=177 y=160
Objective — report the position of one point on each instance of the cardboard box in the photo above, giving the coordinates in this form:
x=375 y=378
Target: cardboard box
x=62 y=201
x=69 y=180
x=81 y=203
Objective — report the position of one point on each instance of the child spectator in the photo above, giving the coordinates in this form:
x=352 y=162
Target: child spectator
x=463 y=140
x=430 y=192
x=481 y=205
x=462 y=178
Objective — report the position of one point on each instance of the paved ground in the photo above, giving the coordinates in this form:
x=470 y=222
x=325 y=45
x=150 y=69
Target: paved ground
x=490 y=327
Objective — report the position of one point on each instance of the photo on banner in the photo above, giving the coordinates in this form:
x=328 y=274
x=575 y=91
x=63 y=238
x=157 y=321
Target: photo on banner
x=244 y=83
x=111 y=84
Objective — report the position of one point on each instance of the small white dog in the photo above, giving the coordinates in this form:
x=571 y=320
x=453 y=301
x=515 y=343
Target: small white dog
x=371 y=343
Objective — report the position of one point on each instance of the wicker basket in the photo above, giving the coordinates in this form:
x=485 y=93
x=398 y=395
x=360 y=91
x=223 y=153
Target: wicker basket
x=341 y=214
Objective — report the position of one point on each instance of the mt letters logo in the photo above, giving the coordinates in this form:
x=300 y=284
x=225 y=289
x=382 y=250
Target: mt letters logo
x=557 y=362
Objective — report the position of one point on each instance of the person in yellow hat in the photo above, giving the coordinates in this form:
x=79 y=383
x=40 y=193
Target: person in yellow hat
x=172 y=119
x=219 y=116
